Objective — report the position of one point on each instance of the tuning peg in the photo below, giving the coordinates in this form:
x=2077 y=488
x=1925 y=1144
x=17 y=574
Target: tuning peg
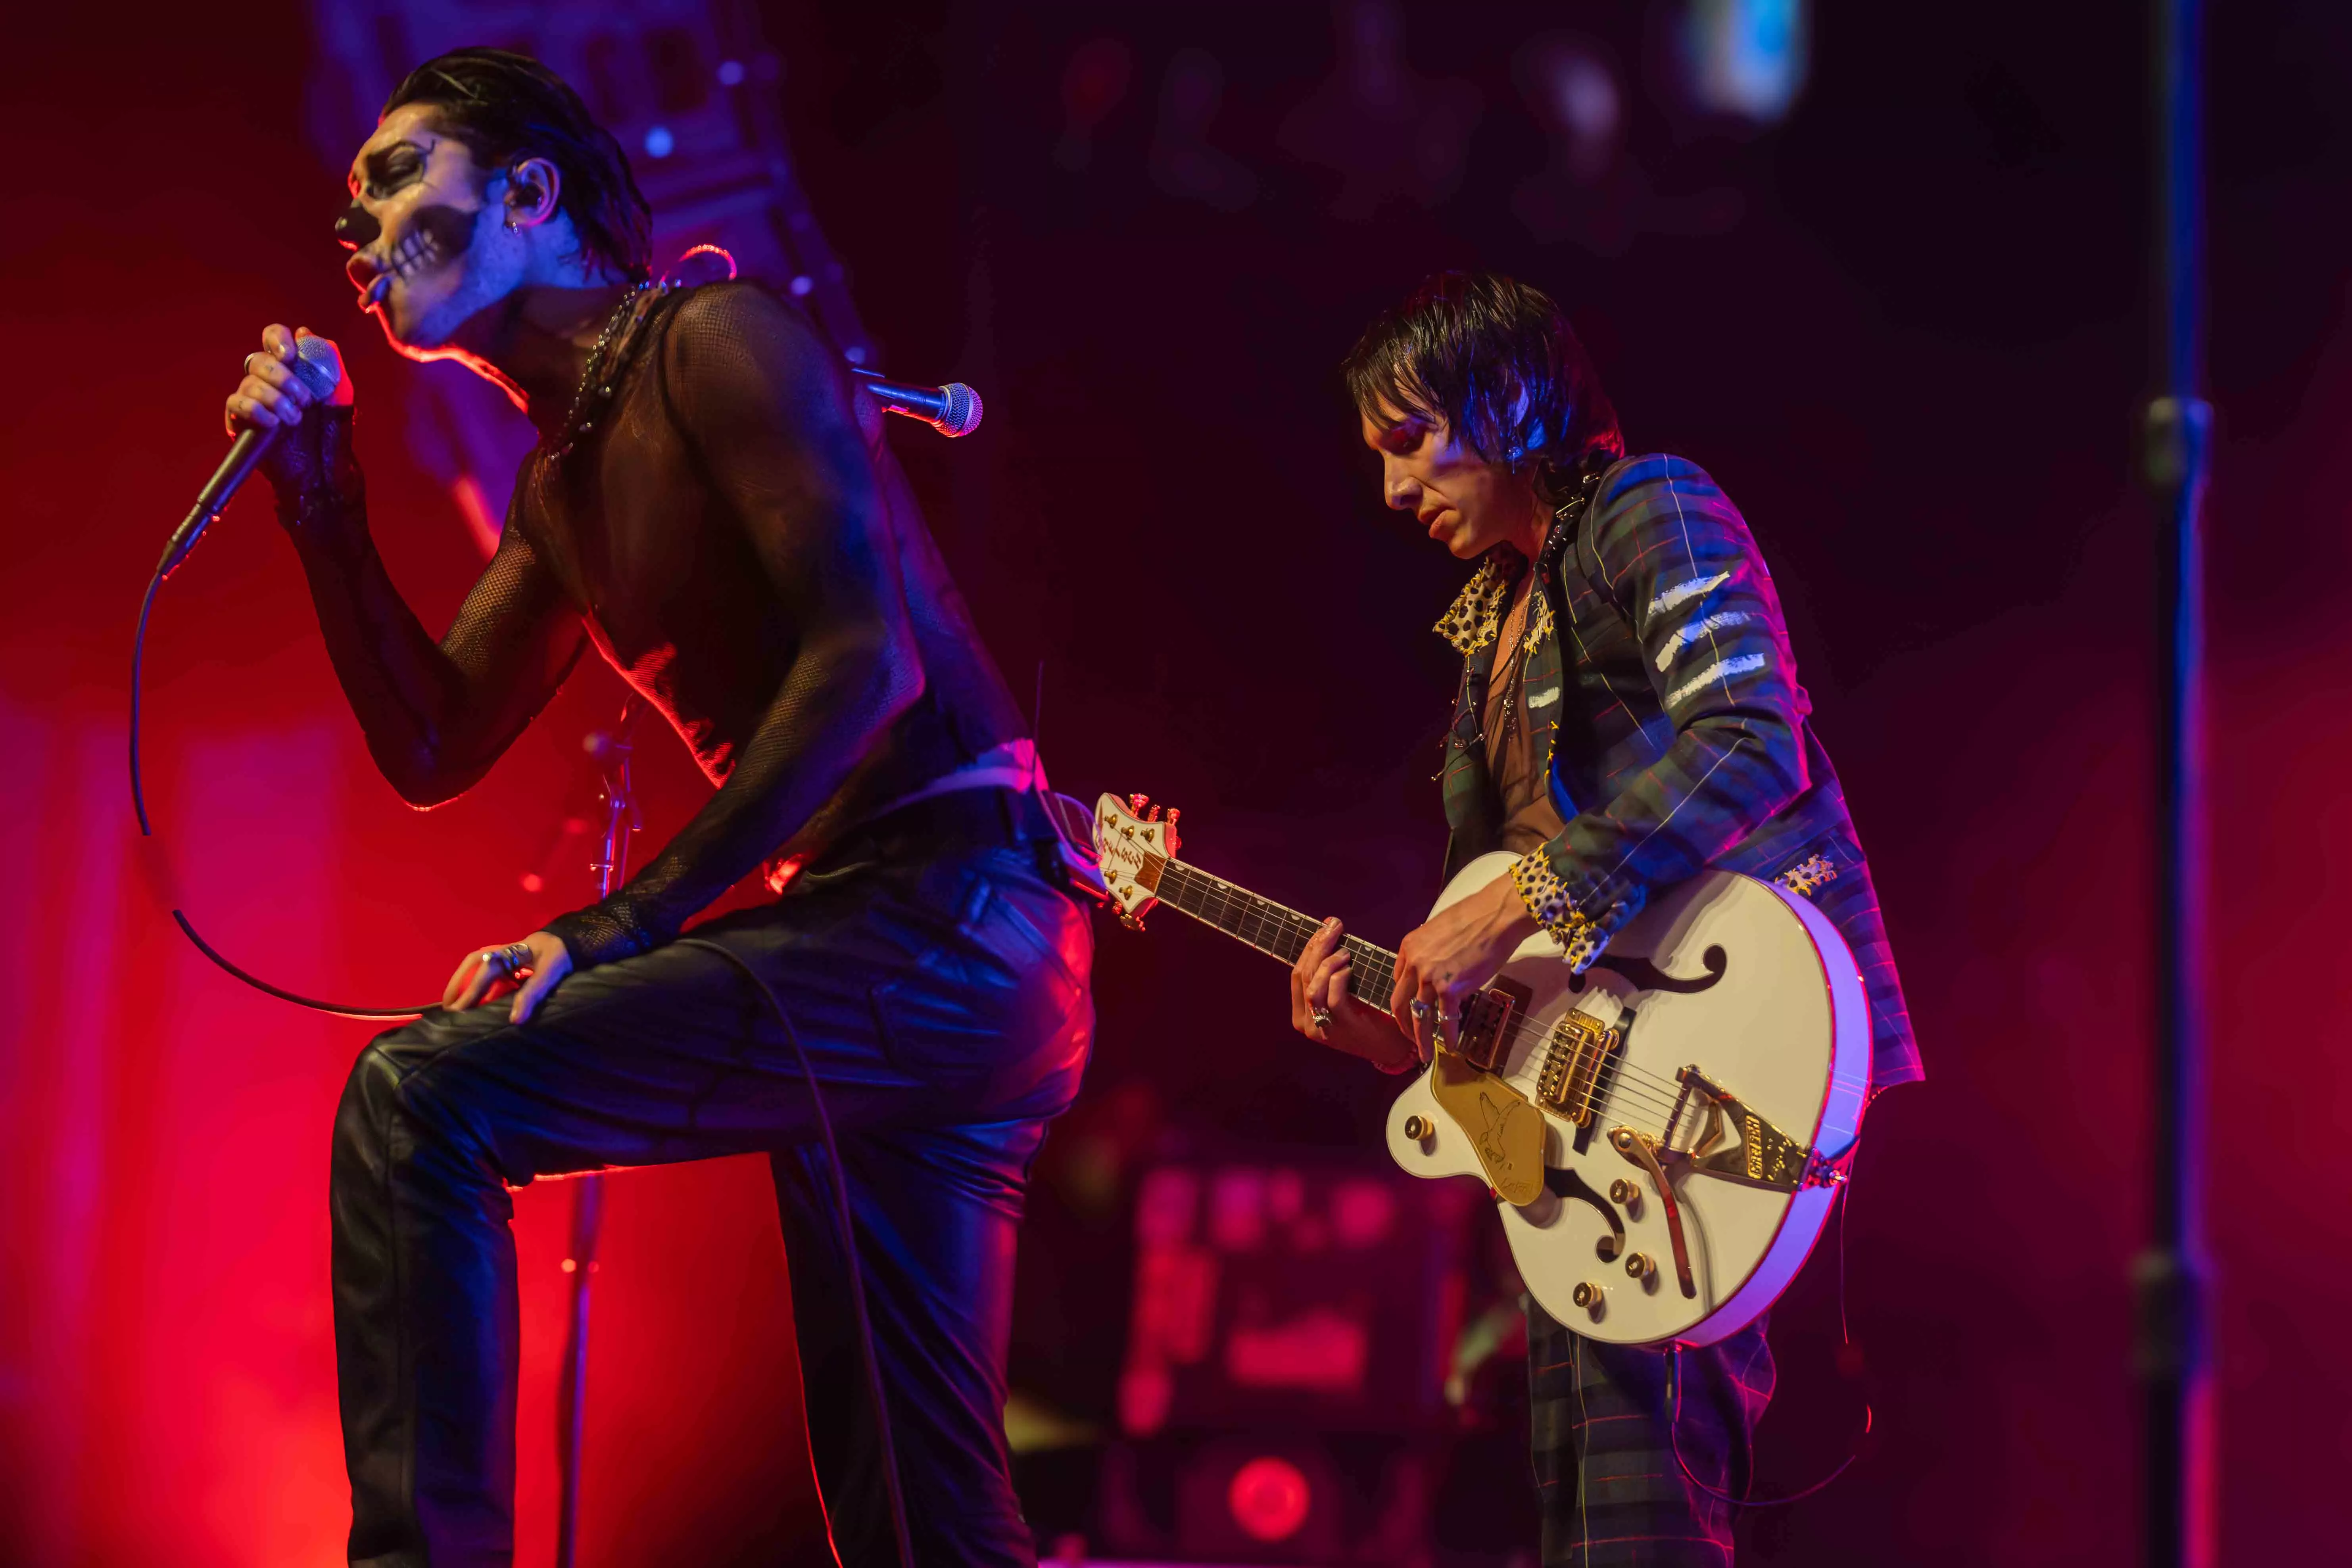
x=1174 y=846
x=1152 y=815
x=1135 y=802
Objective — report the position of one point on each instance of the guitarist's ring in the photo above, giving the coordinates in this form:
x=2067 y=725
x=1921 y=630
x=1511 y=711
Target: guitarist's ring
x=1420 y=1007
x=1319 y=1018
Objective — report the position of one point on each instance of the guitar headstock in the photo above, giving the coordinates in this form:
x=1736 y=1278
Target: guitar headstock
x=1136 y=846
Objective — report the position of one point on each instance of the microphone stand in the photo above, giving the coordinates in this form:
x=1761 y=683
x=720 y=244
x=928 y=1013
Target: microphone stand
x=621 y=819
x=2172 y=1278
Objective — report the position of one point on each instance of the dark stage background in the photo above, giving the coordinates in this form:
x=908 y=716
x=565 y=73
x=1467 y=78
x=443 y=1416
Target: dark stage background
x=1905 y=328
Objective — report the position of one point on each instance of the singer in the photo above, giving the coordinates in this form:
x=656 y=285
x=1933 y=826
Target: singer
x=710 y=505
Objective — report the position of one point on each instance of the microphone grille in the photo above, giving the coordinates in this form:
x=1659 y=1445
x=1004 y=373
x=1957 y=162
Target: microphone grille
x=319 y=367
x=960 y=416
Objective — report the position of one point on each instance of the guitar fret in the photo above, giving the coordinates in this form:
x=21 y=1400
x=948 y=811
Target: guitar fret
x=1283 y=932
x=1272 y=929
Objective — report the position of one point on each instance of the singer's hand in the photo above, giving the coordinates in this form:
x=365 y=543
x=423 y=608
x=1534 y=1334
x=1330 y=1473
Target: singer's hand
x=482 y=977
x=271 y=396
x=309 y=466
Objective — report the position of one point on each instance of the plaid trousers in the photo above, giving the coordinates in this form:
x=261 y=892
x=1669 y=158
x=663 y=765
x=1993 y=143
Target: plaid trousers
x=1611 y=1492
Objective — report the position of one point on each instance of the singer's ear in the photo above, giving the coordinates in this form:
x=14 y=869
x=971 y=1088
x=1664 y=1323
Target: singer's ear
x=534 y=192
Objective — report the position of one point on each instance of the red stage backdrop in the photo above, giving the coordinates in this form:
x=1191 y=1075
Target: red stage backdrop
x=1909 y=348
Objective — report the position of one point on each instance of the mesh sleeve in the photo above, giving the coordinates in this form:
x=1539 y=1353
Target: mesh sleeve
x=437 y=713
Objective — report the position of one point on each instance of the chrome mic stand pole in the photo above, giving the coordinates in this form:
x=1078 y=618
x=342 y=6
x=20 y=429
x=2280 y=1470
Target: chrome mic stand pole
x=621 y=819
x=2171 y=1279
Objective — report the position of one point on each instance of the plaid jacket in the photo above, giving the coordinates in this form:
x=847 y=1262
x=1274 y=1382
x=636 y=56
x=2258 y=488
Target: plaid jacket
x=1676 y=739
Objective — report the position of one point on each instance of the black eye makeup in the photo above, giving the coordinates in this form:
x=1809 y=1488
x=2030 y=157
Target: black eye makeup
x=388 y=169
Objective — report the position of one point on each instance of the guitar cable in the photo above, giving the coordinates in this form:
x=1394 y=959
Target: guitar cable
x=1674 y=1408
x=843 y=1220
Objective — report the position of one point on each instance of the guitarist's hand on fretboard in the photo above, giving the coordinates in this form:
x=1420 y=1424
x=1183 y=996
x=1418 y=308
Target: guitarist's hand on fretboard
x=1323 y=1009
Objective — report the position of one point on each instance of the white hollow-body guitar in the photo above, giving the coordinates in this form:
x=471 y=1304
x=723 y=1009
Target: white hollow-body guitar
x=1664 y=1134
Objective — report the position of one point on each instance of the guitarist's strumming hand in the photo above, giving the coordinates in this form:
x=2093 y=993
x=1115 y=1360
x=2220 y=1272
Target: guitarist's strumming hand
x=1443 y=960
x=1322 y=1009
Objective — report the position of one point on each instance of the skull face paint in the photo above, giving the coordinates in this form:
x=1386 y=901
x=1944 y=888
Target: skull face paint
x=423 y=271
x=436 y=236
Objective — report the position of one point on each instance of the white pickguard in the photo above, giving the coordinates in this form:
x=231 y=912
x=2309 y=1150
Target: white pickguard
x=1786 y=1029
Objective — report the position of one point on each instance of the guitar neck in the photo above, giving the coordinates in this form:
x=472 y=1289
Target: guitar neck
x=1273 y=929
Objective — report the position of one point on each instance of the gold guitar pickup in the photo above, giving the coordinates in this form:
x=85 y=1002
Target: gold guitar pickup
x=1581 y=1046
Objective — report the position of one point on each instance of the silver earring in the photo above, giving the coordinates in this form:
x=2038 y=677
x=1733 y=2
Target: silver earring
x=510 y=226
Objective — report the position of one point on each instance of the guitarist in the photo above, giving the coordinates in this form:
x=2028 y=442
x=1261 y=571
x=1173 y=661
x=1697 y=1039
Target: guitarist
x=1629 y=715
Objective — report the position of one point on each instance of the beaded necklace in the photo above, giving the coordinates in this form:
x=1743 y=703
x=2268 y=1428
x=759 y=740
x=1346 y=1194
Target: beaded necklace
x=595 y=371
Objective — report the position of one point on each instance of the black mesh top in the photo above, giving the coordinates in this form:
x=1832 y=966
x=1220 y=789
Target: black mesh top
x=735 y=538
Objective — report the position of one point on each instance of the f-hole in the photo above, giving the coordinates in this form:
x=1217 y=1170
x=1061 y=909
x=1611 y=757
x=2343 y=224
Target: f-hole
x=1647 y=976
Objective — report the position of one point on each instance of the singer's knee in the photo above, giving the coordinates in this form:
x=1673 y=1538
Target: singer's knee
x=399 y=1117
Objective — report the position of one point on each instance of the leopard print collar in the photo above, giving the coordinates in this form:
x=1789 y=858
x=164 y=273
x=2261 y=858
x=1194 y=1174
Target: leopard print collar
x=1475 y=617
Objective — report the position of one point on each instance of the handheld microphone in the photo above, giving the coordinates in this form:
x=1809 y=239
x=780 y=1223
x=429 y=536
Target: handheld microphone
x=951 y=410
x=322 y=370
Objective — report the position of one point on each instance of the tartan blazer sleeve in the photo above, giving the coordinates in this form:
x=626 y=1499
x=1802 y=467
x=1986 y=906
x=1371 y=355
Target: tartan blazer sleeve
x=1669 y=551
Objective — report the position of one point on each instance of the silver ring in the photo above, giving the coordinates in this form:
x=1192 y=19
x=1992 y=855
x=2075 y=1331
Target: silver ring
x=1420 y=1009
x=1319 y=1018
x=1442 y=1016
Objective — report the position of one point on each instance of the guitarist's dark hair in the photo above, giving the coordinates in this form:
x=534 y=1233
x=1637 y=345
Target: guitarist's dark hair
x=1497 y=361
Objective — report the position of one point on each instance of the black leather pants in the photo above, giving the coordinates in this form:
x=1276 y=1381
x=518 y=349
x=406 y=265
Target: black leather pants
x=937 y=979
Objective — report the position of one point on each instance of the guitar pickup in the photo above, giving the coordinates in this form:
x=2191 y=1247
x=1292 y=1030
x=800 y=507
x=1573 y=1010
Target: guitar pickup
x=1581 y=1045
x=1490 y=1019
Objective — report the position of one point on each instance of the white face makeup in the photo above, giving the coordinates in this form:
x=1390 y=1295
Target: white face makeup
x=443 y=254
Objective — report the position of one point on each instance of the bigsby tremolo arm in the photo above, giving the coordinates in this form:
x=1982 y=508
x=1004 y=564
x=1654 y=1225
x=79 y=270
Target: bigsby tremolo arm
x=1655 y=1157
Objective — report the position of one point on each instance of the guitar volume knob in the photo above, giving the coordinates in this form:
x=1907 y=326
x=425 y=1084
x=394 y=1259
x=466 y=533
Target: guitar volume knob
x=1590 y=1297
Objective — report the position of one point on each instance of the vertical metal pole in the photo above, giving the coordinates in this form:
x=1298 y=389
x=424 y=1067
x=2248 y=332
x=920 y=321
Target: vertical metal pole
x=2170 y=1280
x=588 y=1191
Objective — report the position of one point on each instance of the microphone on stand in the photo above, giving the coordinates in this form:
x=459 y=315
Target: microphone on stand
x=320 y=371
x=951 y=410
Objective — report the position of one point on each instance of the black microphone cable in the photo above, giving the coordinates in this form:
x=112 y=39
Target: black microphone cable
x=146 y=830
x=847 y=1227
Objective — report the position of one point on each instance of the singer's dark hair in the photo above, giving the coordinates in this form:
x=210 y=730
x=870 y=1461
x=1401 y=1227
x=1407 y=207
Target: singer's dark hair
x=1497 y=361
x=505 y=106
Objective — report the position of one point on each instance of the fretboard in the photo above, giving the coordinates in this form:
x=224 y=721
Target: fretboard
x=1271 y=928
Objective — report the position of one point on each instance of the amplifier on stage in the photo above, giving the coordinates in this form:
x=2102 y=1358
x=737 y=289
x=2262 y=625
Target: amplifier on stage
x=1284 y=1392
